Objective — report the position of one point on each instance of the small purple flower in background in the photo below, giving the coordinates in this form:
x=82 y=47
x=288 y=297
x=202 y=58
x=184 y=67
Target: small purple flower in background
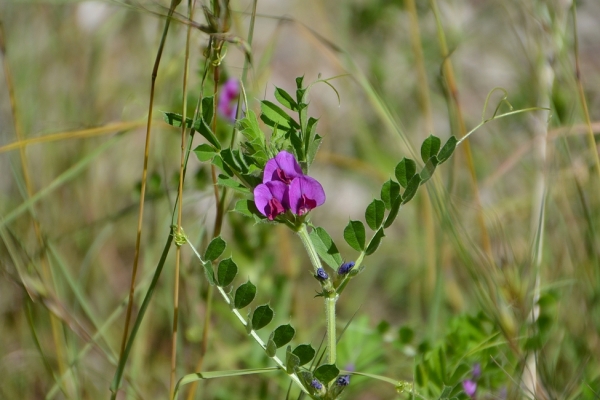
x=316 y=384
x=300 y=194
x=469 y=387
x=321 y=274
x=270 y=198
x=228 y=98
x=476 y=371
x=343 y=380
x=345 y=268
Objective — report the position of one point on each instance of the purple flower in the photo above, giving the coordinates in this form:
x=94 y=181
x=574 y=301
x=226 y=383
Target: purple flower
x=305 y=193
x=345 y=268
x=270 y=198
x=227 y=99
x=469 y=387
x=343 y=380
x=316 y=384
x=283 y=167
x=285 y=188
x=476 y=370
x=321 y=275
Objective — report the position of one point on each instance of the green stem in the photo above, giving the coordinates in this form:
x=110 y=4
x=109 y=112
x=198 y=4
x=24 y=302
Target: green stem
x=310 y=249
x=330 y=298
x=331 y=335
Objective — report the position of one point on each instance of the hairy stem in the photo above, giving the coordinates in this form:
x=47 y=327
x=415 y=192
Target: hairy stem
x=330 y=298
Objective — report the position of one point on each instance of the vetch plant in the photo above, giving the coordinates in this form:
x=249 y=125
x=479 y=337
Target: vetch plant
x=271 y=177
x=271 y=180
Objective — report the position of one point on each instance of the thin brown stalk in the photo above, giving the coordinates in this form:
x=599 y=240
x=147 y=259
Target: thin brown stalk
x=46 y=274
x=415 y=38
x=80 y=133
x=180 y=209
x=452 y=89
x=161 y=46
x=586 y=113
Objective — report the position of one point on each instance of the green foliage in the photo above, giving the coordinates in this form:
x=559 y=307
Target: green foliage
x=326 y=373
x=283 y=335
x=261 y=317
x=354 y=234
x=430 y=147
x=390 y=191
x=405 y=170
x=305 y=353
x=274 y=116
x=244 y=295
x=215 y=248
x=374 y=214
x=285 y=99
x=411 y=189
x=205 y=152
x=428 y=169
x=226 y=272
x=375 y=241
x=325 y=247
x=447 y=150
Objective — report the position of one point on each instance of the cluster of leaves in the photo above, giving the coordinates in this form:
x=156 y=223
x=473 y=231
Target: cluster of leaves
x=241 y=168
x=381 y=213
x=441 y=369
x=259 y=317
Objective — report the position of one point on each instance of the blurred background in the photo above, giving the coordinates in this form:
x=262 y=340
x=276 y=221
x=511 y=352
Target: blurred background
x=496 y=259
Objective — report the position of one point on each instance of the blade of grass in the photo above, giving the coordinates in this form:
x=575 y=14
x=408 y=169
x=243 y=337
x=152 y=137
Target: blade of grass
x=66 y=176
x=220 y=374
x=138 y=321
x=122 y=355
x=83 y=133
x=586 y=113
x=81 y=299
x=454 y=108
x=58 y=343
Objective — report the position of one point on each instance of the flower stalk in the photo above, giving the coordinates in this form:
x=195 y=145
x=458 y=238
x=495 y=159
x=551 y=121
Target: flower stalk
x=330 y=297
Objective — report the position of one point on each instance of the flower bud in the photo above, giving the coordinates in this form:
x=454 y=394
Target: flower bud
x=345 y=268
x=321 y=275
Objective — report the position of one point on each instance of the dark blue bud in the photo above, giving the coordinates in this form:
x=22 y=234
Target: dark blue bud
x=343 y=380
x=316 y=384
x=345 y=268
x=321 y=275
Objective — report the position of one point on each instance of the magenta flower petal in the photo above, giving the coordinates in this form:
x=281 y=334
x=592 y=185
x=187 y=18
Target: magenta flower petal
x=470 y=387
x=227 y=98
x=283 y=167
x=304 y=194
x=269 y=198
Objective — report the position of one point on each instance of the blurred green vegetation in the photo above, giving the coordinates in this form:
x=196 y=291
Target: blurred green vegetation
x=468 y=274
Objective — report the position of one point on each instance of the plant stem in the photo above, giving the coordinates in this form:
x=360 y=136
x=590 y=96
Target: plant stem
x=330 y=298
x=179 y=214
x=310 y=249
x=138 y=238
x=253 y=333
x=331 y=335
